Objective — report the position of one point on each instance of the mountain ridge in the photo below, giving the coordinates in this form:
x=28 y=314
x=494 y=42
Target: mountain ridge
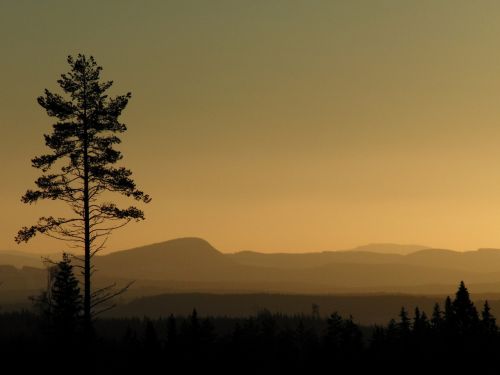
x=192 y=263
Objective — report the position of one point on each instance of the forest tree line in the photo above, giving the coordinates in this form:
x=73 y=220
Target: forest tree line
x=455 y=333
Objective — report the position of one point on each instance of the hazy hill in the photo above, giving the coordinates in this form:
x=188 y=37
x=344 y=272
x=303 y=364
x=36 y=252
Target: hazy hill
x=301 y=260
x=12 y=278
x=482 y=260
x=192 y=264
x=195 y=260
x=373 y=253
x=390 y=248
x=180 y=259
x=20 y=259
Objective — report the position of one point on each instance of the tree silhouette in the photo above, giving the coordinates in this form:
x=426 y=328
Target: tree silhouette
x=334 y=331
x=172 y=336
x=82 y=147
x=60 y=305
x=437 y=318
x=465 y=313
x=342 y=336
x=449 y=317
x=404 y=323
x=420 y=322
x=488 y=321
x=151 y=341
x=66 y=297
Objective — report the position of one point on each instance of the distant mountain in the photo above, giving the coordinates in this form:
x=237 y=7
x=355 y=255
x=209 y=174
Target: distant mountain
x=12 y=278
x=301 y=260
x=180 y=259
x=390 y=248
x=480 y=261
x=16 y=285
x=21 y=259
x=192 y=264
x=193 y=260
x=373 y=253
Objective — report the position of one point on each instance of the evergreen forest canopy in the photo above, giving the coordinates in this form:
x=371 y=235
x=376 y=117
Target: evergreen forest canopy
x=265 y=343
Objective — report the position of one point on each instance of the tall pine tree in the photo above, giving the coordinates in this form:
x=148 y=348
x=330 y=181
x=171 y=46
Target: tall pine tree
x=82 y=168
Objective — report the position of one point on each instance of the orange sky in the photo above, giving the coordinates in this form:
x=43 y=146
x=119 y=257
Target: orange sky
x=275 y=125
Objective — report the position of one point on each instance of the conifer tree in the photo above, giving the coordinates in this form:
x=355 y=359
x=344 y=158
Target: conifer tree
x=172 y=329
x=424 y=318
x=437 y=318
x=82 y=168
x=449 y=317
x=419 y=322
x=351 y=337
x=417 y=317
x=488 y=321
x=66 y=297
x=465 y=313
x=404 y=323
x=392 y=332
x=333 y=335
x=151 y=341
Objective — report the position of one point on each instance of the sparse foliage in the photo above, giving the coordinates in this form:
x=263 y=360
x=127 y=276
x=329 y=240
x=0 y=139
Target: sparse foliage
x=81 y=167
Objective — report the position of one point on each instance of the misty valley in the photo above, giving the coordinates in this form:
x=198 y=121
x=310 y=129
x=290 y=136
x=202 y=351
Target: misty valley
x=198 y=308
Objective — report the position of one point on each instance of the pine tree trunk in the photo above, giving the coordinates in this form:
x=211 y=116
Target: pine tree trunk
x=86 y=308
x=87 y=319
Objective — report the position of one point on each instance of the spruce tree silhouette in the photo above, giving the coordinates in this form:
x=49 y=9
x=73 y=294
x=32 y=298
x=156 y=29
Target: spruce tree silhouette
x=449 y=320
x=191 y=331
x=466 y=318
x=83 y=137
x=172 y=334
x=151 y=341
x=351 y=339
x=172 y=342
x=66 y=298
x=392 y=332
x=436 y=318
x=333 y=335
x=60 y=305
x=404 y=324
x=420 y=322
x=436 y=329
x=488 y=321
x=343 y=339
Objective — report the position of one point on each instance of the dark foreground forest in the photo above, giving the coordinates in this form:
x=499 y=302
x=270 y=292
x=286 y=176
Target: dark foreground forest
x=453 y=337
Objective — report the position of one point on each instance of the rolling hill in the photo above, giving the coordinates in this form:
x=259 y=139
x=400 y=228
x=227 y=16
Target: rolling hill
x=192 y=264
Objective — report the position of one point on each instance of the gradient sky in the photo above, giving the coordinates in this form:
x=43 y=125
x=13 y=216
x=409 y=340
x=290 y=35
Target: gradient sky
x=275 y=125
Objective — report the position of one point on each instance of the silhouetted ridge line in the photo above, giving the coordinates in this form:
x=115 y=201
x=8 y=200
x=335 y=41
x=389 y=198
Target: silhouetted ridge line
x=188 y=244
